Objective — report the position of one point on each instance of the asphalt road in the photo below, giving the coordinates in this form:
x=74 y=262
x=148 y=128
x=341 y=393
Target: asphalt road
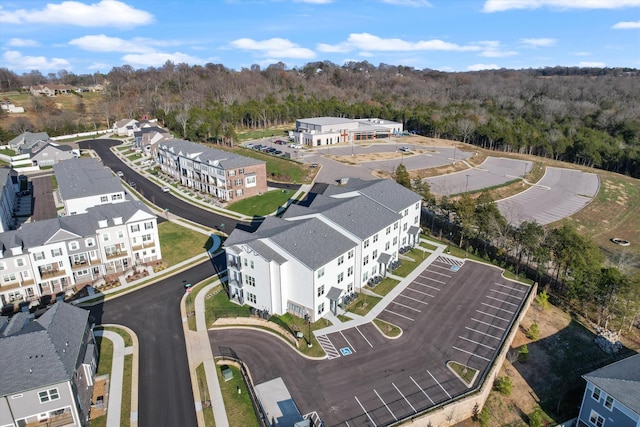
x=153 y=313
x=445 y=315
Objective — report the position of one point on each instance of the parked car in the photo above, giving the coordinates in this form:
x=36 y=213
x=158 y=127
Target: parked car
x=279 y=142
x=405 y=149
x=250 y=145
x=270 y=150
x=165 y=189
x=120 y=174
x=277 y=153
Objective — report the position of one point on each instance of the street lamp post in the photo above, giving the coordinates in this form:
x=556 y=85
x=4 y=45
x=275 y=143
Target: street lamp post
x=307 y=317
x=466 y=187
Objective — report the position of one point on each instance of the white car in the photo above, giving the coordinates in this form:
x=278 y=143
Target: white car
x=165 y=189
x=405 y=149
x=120 y=174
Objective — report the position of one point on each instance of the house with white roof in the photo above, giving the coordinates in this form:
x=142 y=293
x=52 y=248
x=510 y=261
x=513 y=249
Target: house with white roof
x=125 y=127
x=306 y=262
x=318 y=131
x=48 y=366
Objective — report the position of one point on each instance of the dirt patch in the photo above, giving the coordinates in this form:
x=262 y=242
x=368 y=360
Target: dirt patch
x=99 y=390
x=372 y=157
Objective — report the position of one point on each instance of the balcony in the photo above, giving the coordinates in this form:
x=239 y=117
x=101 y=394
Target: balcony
x=117 y=254
x=234 y=265
x=48 y=274
x=149 y=244
x=55 y=421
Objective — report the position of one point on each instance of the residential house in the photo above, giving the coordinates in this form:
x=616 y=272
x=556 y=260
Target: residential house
x=320 y=131
x=308 y=261
x=83 y=183
x=10 y=107
x=147 y=136
x=51 y=154
x=55 y=255
x=50 y=90
x=225 y=175
x=48 y=366
x=125 y=127
x=28 y=142
x=612 y=395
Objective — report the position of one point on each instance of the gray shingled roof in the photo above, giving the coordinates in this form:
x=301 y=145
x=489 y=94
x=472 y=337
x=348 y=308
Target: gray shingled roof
x=29 y=138
x=85 y=177
x=384 y=191
x=310 y=241
x=226 y=159
x=42 y=352
x=68 y=227
x=620 y=380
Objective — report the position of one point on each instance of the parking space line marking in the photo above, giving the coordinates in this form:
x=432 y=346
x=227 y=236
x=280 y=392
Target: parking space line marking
x=414 y=409
x=420 y=292
x=505 y=293
x=405 y=306
x=385 y=405
x=414 y=299
x=365 y=412
x=470 y=353
x=488 y=324
x=439 y=266
x=493 y=315
x=435 y=272
x=497 y=308
x=510 y=287
x=365 y=338
x=503 y=301
x=433 y=280
x=422 y=390
x=397 y=314
x=327 y=345
x=483 y=333
x=345 y=338
x=426 y=286
x=434 y=378
x=476 y=342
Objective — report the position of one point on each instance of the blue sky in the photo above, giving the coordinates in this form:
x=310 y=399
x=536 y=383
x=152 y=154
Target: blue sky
x=449 y=35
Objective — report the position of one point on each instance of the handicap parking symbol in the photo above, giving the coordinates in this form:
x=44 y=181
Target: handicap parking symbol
x=455 y=268
x=345 y=351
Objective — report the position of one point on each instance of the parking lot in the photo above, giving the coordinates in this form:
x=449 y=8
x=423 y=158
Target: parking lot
x=451 y=311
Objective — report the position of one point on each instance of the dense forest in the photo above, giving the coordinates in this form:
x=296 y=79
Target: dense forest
x=589 y=116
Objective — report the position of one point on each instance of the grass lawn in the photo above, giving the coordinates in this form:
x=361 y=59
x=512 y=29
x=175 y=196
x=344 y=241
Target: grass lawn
x=133 y=157
x=128 y=341
x=295 y=324
x=217 y=304
x=387 y=328
x=179 y=243
x=466 y=373
x=125 y=414
x=238 y=405
x=279 y=132
x=262 y=205
x=105 y=358
x=384 y=287
x=207 y=412
x=8 y=152
x=408 y=266
x=363 y=304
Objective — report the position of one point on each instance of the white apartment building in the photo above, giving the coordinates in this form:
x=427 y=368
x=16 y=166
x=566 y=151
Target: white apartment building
x=86 y=182
x=51 y=256
x=307 y=261
x=320 y=131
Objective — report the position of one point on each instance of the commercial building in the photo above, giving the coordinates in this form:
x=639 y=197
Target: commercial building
x=306 y=262
x=320 y=131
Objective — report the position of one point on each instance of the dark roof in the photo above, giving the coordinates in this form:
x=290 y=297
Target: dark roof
x=204 y=154
x=41 y=352
x=85 y=177
x=620 y=380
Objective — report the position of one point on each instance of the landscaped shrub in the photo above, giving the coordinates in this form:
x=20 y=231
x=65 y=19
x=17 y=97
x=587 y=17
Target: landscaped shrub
x=503 y=385
x=534 y=332
x=523 y=353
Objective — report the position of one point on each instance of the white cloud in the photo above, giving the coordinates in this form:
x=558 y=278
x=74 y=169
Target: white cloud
x=502 y=5
x=156 y=59
x=106 y=13
x=276 y=47
x=103 y=43
x=410 y=3
x=370 y=43
x=627 y=25
x=14 y=60
x=591 y=64
x=539 y=42
x=492 y=49
x=479 y=67
x=580 y=53
x=22 y=43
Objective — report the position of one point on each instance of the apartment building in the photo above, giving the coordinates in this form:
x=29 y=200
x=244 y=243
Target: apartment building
x=48 y=366
x=227 y=176
x=306 y=262
x=86 y=182
x=7 y=199
x=52 y=256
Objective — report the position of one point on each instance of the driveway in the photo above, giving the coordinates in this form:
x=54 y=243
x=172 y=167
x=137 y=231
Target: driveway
x=450 y=311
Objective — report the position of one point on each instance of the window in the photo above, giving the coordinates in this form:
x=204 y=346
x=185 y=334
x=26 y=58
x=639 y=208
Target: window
x=9 y=278
x=239 y=192
x=251 y=297
x=365 y=261
x=38 y=256
x=404 y=241
x=395 y=226
x=135 y=228
x=415 y=220
x=596 y=419
x=250 y=181
x=74 y=246
x=350 y=272
x=386 y=246
x=116 y=197
x=232 y=173
x=56 y=252
x=374 y=270
x=238 y=182
x=3 y=266
x=366 y=243
x=19 y=262
x=406 y=212
x=375 y=238
x=341 y=260
x=321 y=290
x=320 y=272
x=365 y=276
x=395 y=241
x=89 y=242
x=321 y=308
x=48 y=395
x=388 y=230
x=375 y=254
x=245 y=262
x=596 y=393
x=105 y=237
x=417 y=205
x=251 y=281
x=350 y=254
x=240 y=171
x=340 y=277
x=252 y=264
x=104 y=199
x=608 y=402
x=120 y=234
x=148 y=225
x=146 y=238
x=404 y=226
